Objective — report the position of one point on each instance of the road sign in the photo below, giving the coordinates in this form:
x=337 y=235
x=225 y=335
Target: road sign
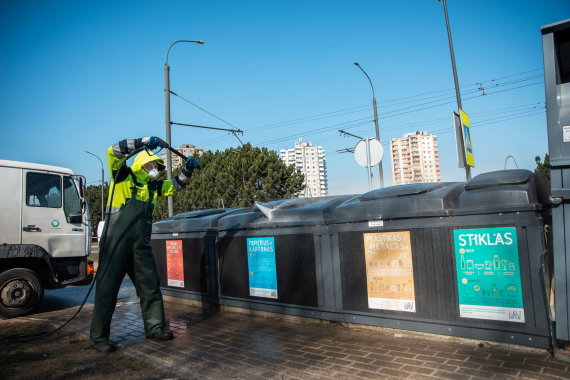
x=459 y=141
x=376 y=152
x=467 y=145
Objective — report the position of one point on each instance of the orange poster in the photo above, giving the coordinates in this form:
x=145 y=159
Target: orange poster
x=389 y=271
x=174 y=263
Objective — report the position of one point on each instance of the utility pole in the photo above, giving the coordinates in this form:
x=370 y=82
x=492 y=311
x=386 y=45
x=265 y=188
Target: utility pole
x=456 y=81
x=102 y=185
x=377 y=130
x=168 y=122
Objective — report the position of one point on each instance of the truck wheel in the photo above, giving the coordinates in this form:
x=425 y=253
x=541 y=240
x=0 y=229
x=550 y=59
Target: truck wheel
x=20 y=292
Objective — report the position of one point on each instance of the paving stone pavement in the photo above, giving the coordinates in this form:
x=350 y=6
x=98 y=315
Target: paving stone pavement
x=239 y=346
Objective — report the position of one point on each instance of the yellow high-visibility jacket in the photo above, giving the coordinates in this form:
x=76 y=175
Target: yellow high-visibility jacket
x=116 y=155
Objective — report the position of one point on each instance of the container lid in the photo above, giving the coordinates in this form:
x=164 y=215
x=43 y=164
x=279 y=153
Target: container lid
x=401 y=191
x=199 y=213
x=193 y=221
x=502 y=191
x=403 y=201
x=499 y=178
x=282 y=213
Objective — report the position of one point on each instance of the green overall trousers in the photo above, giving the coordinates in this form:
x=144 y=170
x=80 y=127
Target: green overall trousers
x=126 y=249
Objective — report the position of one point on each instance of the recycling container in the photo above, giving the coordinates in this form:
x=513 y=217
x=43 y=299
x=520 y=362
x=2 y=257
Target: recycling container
x=465 y=259
x=270 y=257
x=184 y=251
x=453 y=258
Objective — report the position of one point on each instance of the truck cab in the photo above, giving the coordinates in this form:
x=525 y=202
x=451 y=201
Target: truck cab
x=44 y=234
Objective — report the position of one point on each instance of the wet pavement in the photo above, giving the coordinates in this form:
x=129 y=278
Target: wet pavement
x=229 y=345
x=59 y=299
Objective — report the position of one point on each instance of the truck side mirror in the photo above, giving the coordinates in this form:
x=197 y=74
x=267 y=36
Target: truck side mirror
x=82 y=184
x=82 y=187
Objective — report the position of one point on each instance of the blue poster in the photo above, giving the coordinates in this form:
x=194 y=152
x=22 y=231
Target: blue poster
x=261 y=267
x=488 y=274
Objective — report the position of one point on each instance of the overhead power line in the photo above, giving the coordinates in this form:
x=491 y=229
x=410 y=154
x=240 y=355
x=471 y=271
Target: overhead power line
x=202 y=109
x=513 y=110
x=418 y=102
x=233 y=132
x=382 y=103
x=406 y=110
x=477 y=125
x=385 y=102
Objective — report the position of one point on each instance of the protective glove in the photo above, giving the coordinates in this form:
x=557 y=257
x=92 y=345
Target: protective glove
x=190 y=164
x=153 y=142
x=183 y=177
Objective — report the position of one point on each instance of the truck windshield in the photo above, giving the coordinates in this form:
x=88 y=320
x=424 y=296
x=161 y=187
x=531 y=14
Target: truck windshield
x=71 y=200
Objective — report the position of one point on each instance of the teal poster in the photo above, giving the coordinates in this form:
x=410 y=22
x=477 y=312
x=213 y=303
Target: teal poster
x=261 y=266
x=488 y=274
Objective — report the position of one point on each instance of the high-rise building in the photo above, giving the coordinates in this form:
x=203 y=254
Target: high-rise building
x=415 y=159
x=309 y=160
x=186 y=149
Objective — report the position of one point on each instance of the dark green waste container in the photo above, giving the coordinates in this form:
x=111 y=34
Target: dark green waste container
x=448 y=258
x=184 y=251
x=453 y=258
x=270 y=256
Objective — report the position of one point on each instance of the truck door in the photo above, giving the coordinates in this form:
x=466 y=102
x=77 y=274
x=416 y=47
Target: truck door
x=50 y=202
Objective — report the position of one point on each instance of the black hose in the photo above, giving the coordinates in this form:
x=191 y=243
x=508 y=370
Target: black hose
x=102 y=239
x=31 y=337
x=546 y=275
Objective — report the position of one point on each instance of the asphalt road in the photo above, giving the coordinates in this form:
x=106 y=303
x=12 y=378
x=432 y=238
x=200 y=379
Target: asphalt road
x=71 y=296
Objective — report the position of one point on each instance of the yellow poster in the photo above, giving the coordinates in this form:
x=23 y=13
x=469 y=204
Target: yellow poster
x=467 y=143
x=389 y=271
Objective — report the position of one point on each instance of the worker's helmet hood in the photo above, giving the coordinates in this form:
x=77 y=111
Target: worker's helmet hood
x=144 y=157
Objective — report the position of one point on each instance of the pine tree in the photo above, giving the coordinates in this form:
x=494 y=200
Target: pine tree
x=243 y=176
x=93 y=196
x=544 y=166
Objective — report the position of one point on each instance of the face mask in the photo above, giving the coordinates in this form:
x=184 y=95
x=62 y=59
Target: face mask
x=154 y=173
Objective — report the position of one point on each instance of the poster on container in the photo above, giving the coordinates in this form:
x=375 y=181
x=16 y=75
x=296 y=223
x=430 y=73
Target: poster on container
x=174 y=263
x=488 y=274
x=261 y=266
x=389 y=271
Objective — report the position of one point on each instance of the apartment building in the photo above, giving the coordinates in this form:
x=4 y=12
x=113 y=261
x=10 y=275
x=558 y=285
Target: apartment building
x=309 y=160
x=415 y=159
x=186 y=149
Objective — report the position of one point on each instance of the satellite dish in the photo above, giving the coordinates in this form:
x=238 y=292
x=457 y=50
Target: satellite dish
x=376 y=152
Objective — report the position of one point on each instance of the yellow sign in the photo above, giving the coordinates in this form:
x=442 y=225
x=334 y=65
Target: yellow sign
x=467 y=145
x=389 y=271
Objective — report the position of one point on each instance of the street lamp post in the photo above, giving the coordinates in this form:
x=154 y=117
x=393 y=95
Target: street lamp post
x=380 y=171
x=102 y=185
x=456 y=81
x=168 y=121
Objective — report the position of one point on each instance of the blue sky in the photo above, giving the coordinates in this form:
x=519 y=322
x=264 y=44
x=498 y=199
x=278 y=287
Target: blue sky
x=81 y=75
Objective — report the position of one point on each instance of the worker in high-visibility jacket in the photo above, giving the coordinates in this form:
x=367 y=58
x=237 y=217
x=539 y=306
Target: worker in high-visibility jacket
x=125 y=245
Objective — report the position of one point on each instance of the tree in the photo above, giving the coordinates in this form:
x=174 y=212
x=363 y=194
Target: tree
x=242 y=176
x=93 y=196
x=544 y=166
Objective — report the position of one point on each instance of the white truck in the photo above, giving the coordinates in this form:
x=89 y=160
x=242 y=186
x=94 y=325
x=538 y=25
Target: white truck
x=45 y=234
